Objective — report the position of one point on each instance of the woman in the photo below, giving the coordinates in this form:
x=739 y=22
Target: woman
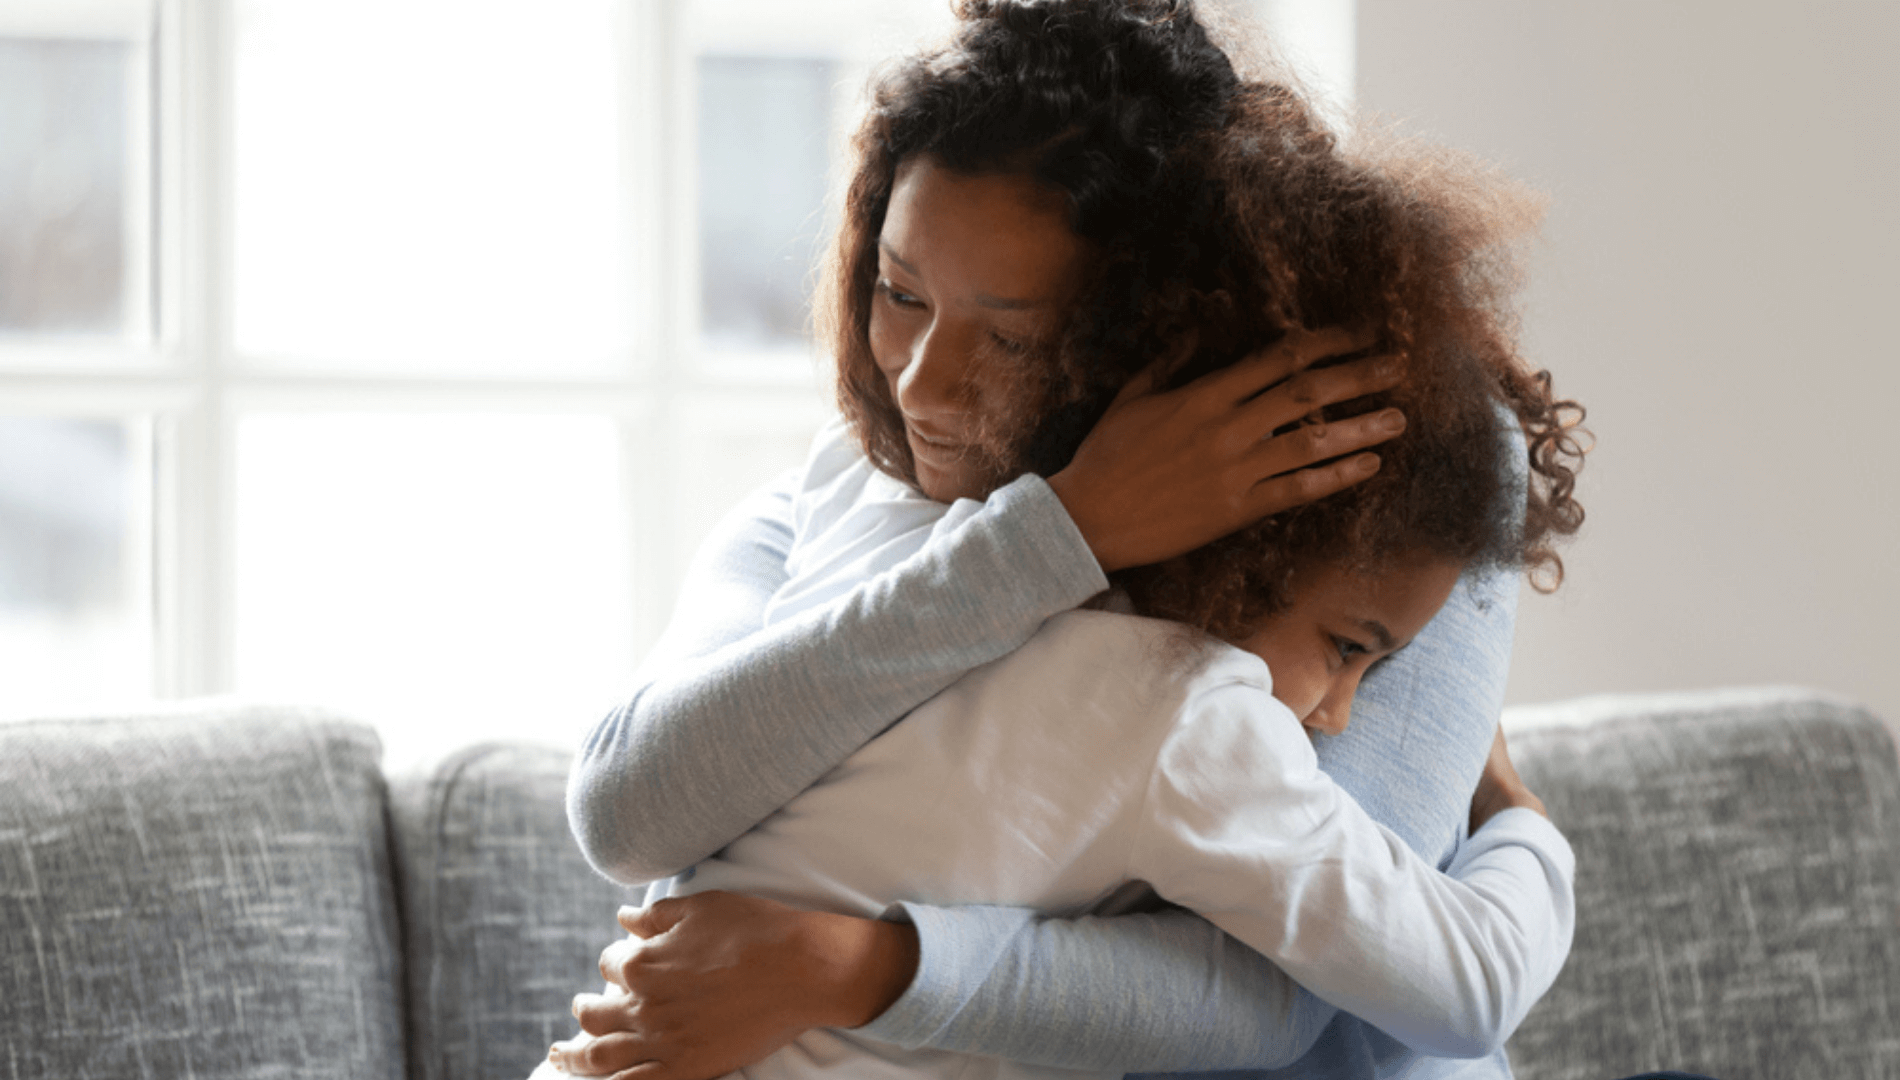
x=1012 y=96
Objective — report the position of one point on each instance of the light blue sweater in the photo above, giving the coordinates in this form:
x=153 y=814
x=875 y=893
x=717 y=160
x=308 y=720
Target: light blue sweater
x=731 y=720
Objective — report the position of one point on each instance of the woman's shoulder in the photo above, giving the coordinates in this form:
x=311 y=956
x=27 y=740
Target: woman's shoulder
x=836 y=453
x=837 y=476
x=850 y=522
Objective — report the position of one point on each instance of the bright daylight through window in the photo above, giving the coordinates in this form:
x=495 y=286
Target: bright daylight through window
x=410 y=392
x=396 y=355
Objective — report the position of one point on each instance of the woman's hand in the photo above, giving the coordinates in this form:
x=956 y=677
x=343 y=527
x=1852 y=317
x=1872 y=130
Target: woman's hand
x=1164 y=473
x=1500 y=788
x=716 y=981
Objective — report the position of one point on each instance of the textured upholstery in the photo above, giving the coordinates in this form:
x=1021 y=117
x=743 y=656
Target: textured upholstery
x=505 y=919
x=212 y=892
x=1738 y=888
x=199 y=894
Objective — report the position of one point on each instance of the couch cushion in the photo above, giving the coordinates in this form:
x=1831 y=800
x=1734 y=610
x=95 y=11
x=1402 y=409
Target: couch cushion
x=203 y=893
x=505 y=918
x=1738 y=887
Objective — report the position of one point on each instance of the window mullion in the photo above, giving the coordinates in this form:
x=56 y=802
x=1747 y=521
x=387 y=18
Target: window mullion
x=195 y=473
x=657 y=164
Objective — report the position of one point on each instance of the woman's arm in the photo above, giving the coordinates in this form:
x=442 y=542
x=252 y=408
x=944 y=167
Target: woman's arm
x=723 y=730
x=730 y=719
x=1016 y=984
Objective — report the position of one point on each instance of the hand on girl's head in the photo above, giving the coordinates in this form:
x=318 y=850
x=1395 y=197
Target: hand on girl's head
x=1165 y=472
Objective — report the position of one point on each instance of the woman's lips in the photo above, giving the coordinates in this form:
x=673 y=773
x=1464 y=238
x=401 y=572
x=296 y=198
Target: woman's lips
x=943 y=446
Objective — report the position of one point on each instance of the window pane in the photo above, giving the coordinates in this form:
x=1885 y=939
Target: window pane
x=429 y=185
x=75 y=562
x=449 y=577
x=728 y=448
x=67 y=250
x=778 y=86
x=764 y=131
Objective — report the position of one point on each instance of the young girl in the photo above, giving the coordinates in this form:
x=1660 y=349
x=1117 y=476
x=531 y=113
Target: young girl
x=1129 y=248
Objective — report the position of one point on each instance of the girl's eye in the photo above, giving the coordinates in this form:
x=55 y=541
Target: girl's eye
x=1348 y=649
x=901 y=299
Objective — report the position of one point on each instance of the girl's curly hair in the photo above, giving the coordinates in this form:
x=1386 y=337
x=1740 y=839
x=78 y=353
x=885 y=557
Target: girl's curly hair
x=1220 y=213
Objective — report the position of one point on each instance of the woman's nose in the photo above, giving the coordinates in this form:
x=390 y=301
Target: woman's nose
x=931 y=382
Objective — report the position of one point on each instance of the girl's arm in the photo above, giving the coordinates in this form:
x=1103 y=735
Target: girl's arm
x=1424 y=726
x=1425 y=722
x=1240 y=825
x=1164 y=991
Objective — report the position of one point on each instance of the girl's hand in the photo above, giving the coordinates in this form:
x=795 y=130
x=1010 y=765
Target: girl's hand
x=1500 y=788
x=716 y=981
x=1164 y=473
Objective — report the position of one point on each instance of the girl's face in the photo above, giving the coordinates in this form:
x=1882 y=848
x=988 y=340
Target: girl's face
x=1340 y=624
x=972 y=271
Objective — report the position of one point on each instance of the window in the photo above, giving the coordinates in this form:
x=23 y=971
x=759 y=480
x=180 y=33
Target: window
x=77 y=295
x=344 y=351
x=397 y=354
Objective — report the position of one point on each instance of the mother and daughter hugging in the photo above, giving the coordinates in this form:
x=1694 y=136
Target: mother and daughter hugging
x=1022 y=731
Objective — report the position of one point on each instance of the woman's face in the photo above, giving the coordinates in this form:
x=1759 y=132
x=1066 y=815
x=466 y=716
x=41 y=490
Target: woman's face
x=1340 y=624
x=972 y=270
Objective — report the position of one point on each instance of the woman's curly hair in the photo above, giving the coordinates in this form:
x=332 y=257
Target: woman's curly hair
x=1220 y=213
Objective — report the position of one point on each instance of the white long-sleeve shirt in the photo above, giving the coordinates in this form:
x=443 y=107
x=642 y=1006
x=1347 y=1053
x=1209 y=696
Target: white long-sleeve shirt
x=1090 y=758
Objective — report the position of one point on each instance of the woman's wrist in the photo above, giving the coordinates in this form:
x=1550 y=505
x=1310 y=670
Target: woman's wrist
x=1087 y=522
x=860 y=966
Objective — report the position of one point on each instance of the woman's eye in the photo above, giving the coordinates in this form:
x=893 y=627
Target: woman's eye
x=901 y=299
x=1010 y=345
x=1348 y=649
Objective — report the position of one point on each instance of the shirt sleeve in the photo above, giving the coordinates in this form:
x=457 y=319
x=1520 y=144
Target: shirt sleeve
x=1154 y=991
x=728 y=719
x=1241 y=826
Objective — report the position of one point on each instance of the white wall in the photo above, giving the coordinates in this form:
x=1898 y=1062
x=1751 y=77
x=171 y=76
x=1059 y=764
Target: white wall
x=1718 y=286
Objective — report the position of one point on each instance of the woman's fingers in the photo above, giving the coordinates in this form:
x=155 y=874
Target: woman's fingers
x=1292 y=354
x=1313 y=443
x=623 y=962
x=1309 y=391
x=603 y=1014
x=1162 y=474
x=653 y=919
x=1288 y=490
x=601 y=1056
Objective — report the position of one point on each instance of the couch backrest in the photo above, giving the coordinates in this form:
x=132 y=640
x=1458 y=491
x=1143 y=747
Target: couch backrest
x=505 y=919
x=202 y=893
x=217 y=893
x=1738 y=887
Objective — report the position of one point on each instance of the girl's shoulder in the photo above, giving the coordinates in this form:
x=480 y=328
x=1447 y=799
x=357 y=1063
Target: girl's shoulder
x=1157 y=649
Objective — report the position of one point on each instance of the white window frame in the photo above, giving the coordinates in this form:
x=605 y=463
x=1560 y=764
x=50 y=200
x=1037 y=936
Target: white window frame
x=191 y=380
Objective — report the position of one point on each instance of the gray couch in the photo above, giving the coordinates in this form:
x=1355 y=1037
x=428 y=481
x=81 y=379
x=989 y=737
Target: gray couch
x=219 y=890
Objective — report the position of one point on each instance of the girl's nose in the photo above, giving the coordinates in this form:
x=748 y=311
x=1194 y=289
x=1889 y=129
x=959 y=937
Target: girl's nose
x=1334 y=712
x=1327 y=721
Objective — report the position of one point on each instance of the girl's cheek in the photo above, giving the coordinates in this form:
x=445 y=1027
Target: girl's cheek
x=1298 y=689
